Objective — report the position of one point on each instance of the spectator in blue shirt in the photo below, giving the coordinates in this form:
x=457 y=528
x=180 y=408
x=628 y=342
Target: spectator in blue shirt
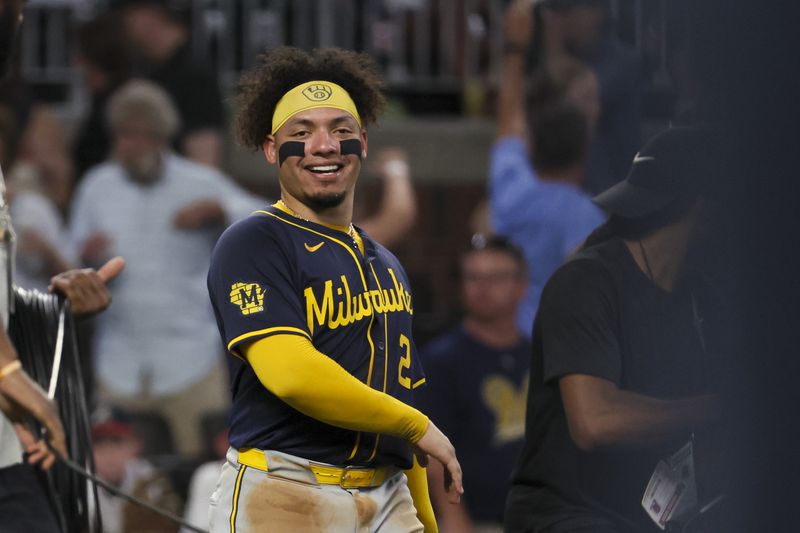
x=538 y=162
x=583 y=30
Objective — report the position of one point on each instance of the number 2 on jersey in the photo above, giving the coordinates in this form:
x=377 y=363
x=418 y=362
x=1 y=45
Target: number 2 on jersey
x=405 y=362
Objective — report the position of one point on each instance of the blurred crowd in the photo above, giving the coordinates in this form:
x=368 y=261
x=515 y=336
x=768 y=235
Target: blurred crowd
x=142 y=177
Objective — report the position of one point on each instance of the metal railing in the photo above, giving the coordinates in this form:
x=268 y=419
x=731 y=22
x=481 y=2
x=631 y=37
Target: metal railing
x=430 y=44
x=422 y=45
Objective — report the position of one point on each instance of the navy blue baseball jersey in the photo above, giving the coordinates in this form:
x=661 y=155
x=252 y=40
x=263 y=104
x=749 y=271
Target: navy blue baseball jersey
x=273 y=273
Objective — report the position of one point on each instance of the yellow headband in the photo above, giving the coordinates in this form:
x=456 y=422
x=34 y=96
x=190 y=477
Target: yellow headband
x=311 y=95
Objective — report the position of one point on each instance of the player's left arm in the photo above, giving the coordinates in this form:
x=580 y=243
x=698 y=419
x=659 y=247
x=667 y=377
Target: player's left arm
x=293 y=370
x=418 y=486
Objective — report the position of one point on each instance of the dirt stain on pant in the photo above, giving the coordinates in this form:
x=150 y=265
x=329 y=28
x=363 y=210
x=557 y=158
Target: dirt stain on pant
x=366 y=508
x=283 y=506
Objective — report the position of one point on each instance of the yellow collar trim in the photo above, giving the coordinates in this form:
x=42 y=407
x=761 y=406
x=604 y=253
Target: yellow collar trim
x=286 y=209
x=312 y=95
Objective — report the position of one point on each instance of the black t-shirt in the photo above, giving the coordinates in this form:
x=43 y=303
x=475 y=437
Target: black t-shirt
x=601 y=316
x=93 y=141
x=476 y=395
x=194 y=90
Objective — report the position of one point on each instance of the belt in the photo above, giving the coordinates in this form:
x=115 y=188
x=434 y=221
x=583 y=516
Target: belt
x=349 y=477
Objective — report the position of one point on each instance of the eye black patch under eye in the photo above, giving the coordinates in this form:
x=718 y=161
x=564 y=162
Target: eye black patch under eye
x=351 y=147
x=297 y=148
x=289 y=149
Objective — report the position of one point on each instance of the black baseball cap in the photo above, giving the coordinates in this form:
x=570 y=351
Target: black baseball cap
x=675 y=166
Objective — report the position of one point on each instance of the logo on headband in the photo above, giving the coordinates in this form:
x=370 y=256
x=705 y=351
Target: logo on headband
x=318 y=92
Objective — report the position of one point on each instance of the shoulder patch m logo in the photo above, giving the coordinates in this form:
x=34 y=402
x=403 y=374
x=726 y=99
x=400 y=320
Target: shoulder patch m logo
x=249 y=297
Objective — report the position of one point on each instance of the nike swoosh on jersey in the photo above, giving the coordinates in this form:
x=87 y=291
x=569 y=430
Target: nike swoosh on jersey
x=314 y=248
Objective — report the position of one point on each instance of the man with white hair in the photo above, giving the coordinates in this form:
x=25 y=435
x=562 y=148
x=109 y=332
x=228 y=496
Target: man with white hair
x=158 y=349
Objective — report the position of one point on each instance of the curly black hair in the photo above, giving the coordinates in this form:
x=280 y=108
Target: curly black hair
x=284 y=68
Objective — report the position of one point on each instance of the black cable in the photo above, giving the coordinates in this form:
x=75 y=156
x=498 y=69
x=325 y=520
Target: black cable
x=75 y=467
x=32 y=329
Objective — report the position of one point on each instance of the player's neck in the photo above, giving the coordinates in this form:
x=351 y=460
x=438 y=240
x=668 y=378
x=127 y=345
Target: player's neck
x=340 y=215
x=499 y=333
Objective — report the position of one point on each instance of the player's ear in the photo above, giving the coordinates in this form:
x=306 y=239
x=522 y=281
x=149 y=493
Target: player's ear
x=269 y=149
x=363 y=136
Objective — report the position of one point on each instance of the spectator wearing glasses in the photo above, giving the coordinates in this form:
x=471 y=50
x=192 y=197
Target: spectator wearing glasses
x=478 y=384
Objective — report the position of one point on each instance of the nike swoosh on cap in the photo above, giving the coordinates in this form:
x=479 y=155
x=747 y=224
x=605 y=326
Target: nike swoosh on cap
x=641 y=159
x=314 y=248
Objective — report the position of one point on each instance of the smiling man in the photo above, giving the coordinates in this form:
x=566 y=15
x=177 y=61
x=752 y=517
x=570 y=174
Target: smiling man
x=317 y=319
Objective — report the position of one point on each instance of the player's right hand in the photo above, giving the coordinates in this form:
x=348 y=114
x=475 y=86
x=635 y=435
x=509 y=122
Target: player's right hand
x=436 y=445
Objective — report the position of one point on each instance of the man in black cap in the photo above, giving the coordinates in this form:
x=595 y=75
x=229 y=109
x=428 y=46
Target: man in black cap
x=621 y=374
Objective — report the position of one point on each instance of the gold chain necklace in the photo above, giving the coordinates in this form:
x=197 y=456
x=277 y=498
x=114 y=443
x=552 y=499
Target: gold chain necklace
x=350 y=230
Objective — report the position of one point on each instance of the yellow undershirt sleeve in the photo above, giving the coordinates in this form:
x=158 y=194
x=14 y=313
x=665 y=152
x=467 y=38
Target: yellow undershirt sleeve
x=418 y=485
x=314 y=384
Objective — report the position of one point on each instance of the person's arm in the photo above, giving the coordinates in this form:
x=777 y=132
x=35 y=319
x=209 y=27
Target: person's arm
x=86 y=289
x=227 y=202
x=513 y=185
x=418 y=486
x=20 y=394
x=601 y=415
x=582 y=355
x=397 y=211
x=287 y=365
x=199 y=214
x=337 y=397
x=452 y=517
x=513 y=182
x=232 y=204
x=510 y=105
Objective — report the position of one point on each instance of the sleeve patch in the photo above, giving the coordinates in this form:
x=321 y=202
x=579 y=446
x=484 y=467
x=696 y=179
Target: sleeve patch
x=248 y=297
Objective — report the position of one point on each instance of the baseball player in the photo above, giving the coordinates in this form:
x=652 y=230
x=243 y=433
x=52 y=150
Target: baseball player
x=317 y=319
